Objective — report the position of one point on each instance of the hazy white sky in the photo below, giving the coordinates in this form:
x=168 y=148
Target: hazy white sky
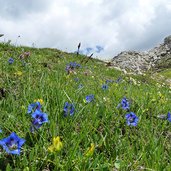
x=113 y=25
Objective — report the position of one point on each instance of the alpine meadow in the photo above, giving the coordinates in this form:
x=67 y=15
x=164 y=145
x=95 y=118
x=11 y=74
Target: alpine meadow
x=67 y=111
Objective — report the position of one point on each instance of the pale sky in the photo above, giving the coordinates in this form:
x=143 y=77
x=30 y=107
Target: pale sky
x=104 y=27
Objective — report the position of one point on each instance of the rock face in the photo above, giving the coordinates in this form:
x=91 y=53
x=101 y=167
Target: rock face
x=139 y=62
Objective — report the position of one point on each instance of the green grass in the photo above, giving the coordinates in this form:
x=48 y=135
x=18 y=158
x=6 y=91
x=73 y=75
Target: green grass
x=166 y=73
x=117 y=146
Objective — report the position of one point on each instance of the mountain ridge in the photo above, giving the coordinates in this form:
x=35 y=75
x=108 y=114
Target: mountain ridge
x=139 y=62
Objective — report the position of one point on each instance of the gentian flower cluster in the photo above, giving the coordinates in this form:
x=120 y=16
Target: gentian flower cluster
x=12 y=144
x=37 y=115
x=74 y=65
x=71 y=66
x=69 y=109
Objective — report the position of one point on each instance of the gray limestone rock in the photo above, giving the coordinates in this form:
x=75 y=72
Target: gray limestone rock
x=139 y=62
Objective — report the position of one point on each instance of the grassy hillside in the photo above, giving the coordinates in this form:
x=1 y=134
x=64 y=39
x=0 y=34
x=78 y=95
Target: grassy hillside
x=94 y=135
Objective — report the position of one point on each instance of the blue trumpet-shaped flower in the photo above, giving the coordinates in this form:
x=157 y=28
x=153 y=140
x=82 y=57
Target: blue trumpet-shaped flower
x=33 y=107
x=124 y=104
x=69 y=109
x=71 y=66
x=131 y=119
x=39 y=118
x=11 y=61
x=104 y=86
x=89 y=98
x=12 y=144
x=169 y=117
x=74 y=65
x=109 y=81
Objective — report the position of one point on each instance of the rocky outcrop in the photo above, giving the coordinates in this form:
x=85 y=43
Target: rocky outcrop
x=139 y=62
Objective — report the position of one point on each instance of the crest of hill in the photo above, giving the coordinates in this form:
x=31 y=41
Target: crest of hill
x=138 y=62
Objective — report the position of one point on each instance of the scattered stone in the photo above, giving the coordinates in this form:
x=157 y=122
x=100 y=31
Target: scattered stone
x=3 y=93
x=25 y=55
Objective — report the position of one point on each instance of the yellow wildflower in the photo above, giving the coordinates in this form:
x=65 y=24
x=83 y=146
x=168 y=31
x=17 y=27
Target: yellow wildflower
x=23 y=107
x=90 y=150
x=145 y=110
x=18 y=73
x=56 y=146
x=67 y=76
x=39 y=100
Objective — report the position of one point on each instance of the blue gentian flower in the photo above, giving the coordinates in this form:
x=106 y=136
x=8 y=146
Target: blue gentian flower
x=80 y=86
x=39 y=118
x=109 y=81
x=76 y=79
x=11 y=61
x=74 y=65
x=124 y=104
x=12 y=144
x=89 y=98
x=71 y=66
x=68 y=109
x=169 y=117
x=33 y=107
x=131 y=119
x=119 y=80
x=67 y=68
x=104 y=86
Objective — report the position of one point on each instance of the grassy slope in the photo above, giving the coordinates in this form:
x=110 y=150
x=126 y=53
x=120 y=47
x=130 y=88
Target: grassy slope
x=117 y=146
